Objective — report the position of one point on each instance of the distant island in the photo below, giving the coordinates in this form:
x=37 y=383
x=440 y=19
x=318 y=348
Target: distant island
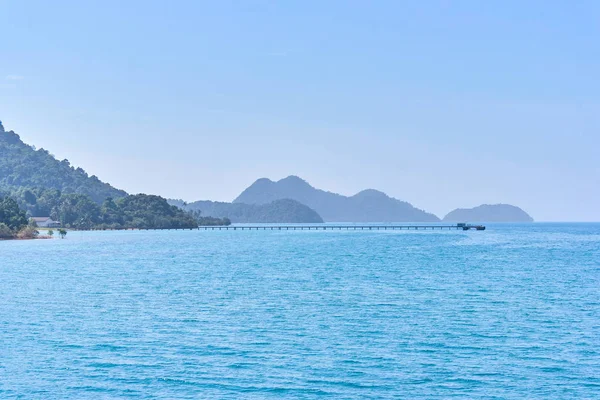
x=278 y=211
x=489 y=213
x=367 y=206
x=42 y=186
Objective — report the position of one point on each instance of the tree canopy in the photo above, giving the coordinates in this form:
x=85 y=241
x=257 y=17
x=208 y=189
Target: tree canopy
x=279 y=211
x=139 y=211
x=22 y=166
x=35 y=184
x=12 y=218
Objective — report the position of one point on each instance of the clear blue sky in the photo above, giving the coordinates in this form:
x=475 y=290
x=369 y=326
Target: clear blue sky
x=441 y=103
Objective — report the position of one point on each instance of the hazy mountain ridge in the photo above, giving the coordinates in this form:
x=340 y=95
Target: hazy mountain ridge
x=366 y=206
x=33 y=178
x=489 y=213
x=278 y=211
x=22 y=165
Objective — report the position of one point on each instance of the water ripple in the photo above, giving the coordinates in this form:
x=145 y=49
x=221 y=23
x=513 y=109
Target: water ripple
x=512 y=312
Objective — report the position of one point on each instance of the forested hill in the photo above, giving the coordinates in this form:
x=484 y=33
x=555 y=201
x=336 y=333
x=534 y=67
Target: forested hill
x=22 y=165
x=279 y=211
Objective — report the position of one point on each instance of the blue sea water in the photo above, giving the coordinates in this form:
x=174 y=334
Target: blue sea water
x=509 y=313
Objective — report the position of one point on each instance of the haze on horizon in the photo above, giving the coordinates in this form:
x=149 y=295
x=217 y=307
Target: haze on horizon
x=444 y=104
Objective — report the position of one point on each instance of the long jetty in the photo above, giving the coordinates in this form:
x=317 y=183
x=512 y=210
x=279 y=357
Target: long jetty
x=325 y=227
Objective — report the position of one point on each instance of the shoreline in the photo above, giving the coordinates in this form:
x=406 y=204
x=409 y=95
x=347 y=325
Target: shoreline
x=45 y=237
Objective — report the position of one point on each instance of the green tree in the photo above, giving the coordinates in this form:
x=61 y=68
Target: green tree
x=11 y=215
x=154 y=212
x=111 y=214
x=6 y=232
x=76 y=211
x=29 y=197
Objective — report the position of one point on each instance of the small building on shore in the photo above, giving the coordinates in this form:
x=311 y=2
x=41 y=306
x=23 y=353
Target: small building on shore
x=45 y=222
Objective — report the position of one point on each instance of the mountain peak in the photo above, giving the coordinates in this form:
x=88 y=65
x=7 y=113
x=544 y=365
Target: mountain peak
x=371 y=193
x=367 y=206
x=263 y=181
x=294 y=180
x=1 y=128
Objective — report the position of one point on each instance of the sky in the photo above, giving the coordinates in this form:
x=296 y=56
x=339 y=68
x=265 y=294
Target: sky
x=444 y=104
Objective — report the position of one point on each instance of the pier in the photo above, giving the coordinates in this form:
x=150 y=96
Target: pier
x=325 y=227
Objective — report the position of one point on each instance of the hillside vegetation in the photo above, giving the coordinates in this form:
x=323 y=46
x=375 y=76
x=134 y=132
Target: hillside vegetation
x=12 y=219
x=40 y=186
x=22 y=165
x=280 y=211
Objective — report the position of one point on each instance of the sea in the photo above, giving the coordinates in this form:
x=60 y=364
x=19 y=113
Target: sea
x=512 y=312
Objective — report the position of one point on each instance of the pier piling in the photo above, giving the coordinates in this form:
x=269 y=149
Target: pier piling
x=464 y=227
